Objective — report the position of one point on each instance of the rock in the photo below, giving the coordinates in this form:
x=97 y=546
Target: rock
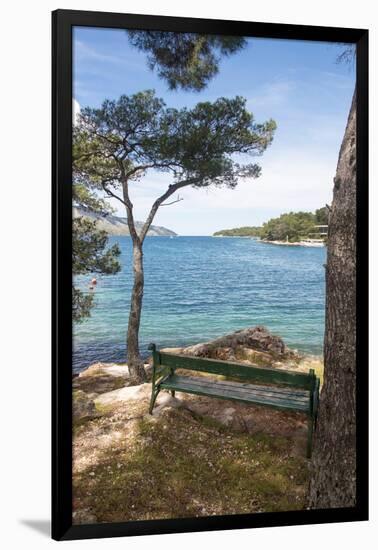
x=84 y=516
x=244 y=418
x=101 y=378
x=83 y=406
x=226 y=417
x=148 y=367
x=165 y=401
x=257 y=338
x=255 y=344
x=261 y=358
x=208 y=408
x=110 y=369
x=127 y=393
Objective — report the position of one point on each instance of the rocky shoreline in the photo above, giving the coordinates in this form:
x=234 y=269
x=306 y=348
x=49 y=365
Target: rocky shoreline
x=252 y=346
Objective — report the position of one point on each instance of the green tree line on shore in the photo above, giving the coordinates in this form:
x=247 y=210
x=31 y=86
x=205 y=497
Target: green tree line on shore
x=292 y=226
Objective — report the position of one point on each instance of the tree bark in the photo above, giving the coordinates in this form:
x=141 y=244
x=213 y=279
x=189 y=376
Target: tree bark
x=134 y=360
x=333 y=466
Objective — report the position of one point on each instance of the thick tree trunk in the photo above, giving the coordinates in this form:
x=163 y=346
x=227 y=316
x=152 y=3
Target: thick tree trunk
x=333 y=467
x=134 y=360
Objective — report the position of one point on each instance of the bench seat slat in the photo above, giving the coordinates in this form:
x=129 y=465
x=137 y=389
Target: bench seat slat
x=274 y=391
x=249 y=393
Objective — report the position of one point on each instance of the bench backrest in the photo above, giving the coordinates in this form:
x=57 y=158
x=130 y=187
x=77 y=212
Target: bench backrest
x=235 y=370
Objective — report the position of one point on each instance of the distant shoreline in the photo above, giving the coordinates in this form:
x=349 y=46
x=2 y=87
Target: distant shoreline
x=308 y=244
x=235 y=236
x=298 y=243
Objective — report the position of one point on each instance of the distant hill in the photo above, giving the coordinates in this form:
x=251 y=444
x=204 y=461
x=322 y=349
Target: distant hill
x=115 y=225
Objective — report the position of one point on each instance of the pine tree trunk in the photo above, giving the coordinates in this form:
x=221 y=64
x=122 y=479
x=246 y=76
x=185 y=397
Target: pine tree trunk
x=333 y=467
x=134 y=360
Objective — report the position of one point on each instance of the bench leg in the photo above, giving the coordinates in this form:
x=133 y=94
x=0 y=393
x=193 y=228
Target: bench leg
x=309 y=436
x=153 y=399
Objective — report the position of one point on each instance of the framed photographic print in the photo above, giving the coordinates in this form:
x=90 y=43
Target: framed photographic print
x=210 y=190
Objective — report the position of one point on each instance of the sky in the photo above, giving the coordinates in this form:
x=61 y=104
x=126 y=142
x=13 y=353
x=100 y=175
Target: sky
x=297 y=83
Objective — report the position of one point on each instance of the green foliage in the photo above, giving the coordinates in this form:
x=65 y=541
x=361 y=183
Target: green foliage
x=185 y=60
x=239 y=232
x=89 y=255
x=81 y=305
x=293 y=227
x=206 y=137
x=88 y=249
x=321 y=216
x=116 y=139
x=124 y=138
x=87 y=200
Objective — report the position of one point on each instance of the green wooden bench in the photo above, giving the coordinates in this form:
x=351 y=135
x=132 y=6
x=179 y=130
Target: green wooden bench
x=279 y=389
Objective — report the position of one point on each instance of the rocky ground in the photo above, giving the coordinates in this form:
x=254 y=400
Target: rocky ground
x=196 y=455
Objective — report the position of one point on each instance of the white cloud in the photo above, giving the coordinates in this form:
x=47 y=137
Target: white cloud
x=88 y=53
x=75 y=110
x=288 y=182
x=272 y=94
x=291 y=180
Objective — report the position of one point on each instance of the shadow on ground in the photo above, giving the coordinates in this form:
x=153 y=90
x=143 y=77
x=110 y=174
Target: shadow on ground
x=42 y=526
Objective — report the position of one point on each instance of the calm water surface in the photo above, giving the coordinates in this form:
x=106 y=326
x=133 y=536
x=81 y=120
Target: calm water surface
x=198 y=288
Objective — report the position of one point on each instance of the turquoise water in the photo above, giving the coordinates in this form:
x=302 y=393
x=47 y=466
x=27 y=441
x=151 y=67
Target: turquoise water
x=198 y=288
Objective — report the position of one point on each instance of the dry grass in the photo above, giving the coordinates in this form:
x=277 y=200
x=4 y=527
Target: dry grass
x=131 y=466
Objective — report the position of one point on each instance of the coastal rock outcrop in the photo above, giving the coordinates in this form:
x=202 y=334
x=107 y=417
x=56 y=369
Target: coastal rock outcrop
x=252 y=345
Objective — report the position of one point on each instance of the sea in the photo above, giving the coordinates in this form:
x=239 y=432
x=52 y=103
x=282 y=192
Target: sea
x=200 y=288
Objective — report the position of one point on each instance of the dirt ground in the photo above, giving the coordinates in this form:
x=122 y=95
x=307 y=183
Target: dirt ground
x=195 y=456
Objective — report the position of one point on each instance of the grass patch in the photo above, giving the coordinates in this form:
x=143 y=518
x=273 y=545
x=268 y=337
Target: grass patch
x=318 y=367
x=103 y=409
x=319 y=371
x=180 y=466
x=99 y=382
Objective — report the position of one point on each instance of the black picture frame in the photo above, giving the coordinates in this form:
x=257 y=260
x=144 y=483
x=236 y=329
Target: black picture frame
x=62 y=23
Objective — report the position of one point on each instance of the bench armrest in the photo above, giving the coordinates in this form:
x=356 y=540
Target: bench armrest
x=159 y=372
